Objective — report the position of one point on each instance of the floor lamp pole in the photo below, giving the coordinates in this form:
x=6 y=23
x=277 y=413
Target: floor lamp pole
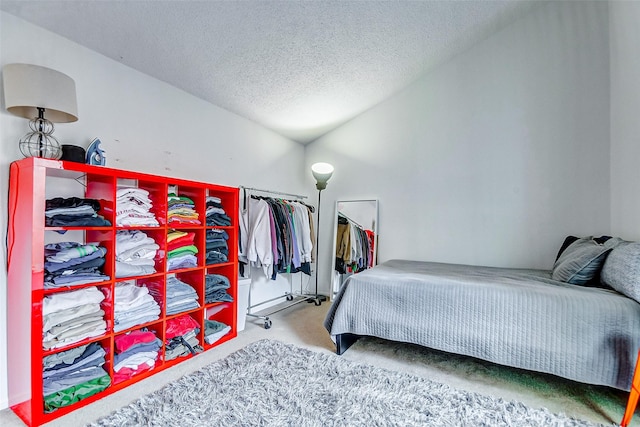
x=318 y=297
x=321 y=172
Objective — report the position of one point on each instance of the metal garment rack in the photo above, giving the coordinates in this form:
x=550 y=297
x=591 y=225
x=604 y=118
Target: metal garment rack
x=293 y=297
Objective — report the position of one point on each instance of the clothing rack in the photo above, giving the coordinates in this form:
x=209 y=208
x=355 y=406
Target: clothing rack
x=279 y=193
x=292 y=296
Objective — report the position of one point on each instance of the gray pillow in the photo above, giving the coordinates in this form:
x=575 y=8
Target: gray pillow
x=621 y=271
x=580 y=262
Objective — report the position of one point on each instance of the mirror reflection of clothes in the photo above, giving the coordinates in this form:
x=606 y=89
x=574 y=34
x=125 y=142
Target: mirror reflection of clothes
x=354 y=246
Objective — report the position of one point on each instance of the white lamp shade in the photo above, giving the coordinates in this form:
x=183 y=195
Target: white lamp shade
x=321 y=172
x=27 y=87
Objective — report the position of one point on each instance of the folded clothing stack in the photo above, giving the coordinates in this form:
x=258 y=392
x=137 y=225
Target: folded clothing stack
x=216 y=286
x=181 y=250
x=69 y=264
x=181 y=210
x=70 y=317
x=133 y=208
x=180 y=296
x=181 y=337
x=216 y=246
x=215 y=212
x=135 y=253
x=214 y=330
x=72 y=375
x=134 y=305
x=136 y=352
x=73 y=212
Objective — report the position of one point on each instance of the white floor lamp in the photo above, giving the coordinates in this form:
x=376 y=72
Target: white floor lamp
x=321 y=172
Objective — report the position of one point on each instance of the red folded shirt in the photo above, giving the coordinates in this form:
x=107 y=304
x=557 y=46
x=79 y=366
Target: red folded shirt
x=126 y=341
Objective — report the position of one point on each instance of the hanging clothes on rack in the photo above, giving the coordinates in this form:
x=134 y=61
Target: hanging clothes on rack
x=354 y=246
x=292 y=243
x=276 y=234
x=260 y=239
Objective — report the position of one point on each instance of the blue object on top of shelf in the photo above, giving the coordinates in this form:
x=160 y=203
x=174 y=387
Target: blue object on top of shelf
x=96 y=156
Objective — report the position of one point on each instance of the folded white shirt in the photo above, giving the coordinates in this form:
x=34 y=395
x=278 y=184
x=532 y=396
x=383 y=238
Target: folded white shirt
x=128 y=294
x=138 y=220
x=127 y=239
x=65 y=300
x=96 y=332
x=128 y=270
x=58 y=317
x=145 y=251
x=132 y=192
x=61 y=328
x=141 y=205
x=64 y=332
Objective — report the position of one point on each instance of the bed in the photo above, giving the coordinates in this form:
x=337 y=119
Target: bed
x=515 y=317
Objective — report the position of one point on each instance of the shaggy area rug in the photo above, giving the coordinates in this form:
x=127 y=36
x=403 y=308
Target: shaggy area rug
x=269 y=383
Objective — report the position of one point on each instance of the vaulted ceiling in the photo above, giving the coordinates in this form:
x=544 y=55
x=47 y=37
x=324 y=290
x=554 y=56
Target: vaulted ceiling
x=300 y=68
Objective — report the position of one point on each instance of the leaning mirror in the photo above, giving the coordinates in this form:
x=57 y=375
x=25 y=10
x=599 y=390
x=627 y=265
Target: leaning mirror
x=355 y=239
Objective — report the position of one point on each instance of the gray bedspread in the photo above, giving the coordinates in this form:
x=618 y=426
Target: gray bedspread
x=513 y=317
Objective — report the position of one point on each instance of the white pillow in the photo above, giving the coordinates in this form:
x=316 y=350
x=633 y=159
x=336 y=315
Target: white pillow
x=621 y=270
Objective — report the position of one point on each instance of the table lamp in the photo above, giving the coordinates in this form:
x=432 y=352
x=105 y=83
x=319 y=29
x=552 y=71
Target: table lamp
x=31 y=91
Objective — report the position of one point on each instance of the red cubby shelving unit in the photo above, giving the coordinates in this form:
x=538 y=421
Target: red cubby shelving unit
x=32 y=182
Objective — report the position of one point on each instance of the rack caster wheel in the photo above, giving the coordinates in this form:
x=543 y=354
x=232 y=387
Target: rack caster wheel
x=317 y=302
x=289 y=297
x=267 y=324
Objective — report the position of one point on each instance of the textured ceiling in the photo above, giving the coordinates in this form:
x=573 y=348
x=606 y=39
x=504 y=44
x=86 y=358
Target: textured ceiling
x=300 y=68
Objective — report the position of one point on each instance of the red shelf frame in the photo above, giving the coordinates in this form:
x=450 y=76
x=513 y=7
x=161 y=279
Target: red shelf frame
x=27 y=236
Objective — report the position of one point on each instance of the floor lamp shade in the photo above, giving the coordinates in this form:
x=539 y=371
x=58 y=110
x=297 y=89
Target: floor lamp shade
x=45 y=96
x=321 y=172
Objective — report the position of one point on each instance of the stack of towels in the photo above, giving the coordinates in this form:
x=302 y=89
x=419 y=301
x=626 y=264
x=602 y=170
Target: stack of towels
x=133 y=208
x=69 y=264
x=135 y=253
x=73 y=212
x=215 y=212
x=134 y=305
x=216 y=286
x=180 y=296
x=216 y=246
x=72 y=375
x=70 y=317
x=181 y=250
x=136 y=352
x=182 y=211
x=182 y=337
x=214 y=330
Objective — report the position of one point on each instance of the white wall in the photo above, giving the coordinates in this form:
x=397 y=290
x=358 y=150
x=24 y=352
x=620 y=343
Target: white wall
x=491 y=158
x=624 y=21
x=145 y=125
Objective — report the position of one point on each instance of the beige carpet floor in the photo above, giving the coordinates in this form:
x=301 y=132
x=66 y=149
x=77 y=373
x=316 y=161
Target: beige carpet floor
x=302 y=325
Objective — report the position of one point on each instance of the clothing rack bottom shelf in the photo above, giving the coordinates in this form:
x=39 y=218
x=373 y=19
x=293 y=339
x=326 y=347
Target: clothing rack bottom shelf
x=289 y=296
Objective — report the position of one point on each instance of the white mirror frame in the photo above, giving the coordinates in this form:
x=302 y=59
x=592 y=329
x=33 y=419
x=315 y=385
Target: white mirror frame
x=371 y=205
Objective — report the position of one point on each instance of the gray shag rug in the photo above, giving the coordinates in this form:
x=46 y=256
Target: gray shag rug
x=269 y=383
